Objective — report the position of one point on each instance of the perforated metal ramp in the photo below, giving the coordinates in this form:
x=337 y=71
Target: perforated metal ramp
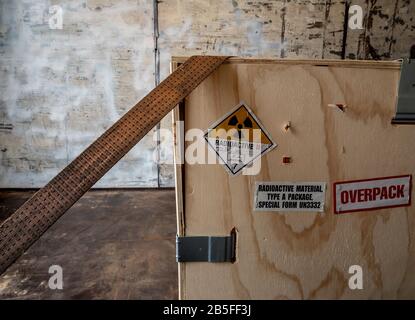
x=42 y=210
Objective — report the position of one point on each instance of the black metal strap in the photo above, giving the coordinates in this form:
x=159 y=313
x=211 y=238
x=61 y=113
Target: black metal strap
x=405 y=110
x=205 y=249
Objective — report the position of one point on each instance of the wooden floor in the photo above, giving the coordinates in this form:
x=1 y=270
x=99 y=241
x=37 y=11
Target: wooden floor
x=117 y=244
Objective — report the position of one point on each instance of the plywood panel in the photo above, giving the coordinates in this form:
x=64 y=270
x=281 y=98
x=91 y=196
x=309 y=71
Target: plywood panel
x=303 y=255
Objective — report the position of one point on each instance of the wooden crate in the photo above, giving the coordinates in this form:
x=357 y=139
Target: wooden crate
x=300 y=255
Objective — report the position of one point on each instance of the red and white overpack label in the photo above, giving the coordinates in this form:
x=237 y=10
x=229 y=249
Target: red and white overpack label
x=370 y=194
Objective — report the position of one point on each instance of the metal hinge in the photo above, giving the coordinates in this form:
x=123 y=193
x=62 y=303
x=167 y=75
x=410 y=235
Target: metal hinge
x=206 y=248
x=405 y=109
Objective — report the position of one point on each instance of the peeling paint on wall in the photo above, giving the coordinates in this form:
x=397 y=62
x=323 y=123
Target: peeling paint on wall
x=283 y=29
x=62 y=88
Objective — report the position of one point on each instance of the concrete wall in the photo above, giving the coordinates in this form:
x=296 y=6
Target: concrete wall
x=60 y=89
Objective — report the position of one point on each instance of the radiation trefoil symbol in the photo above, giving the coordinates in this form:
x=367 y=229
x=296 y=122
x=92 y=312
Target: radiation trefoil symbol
x=247 y=123
x=238 y=138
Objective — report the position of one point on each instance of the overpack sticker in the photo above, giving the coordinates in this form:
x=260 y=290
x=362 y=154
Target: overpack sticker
x=371 y=194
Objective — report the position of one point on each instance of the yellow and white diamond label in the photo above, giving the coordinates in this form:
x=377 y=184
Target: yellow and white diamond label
x=238 y=139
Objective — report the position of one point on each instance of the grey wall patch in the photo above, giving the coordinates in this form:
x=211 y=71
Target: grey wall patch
x=289 y=196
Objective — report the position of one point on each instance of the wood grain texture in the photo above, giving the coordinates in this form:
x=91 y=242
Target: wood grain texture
x=303 y=255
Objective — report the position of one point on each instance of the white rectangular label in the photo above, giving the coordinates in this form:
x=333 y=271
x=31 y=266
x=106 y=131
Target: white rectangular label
x=289 y=196
x=370 y=194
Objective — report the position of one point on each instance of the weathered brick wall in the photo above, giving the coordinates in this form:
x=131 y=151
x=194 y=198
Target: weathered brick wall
x=61 y=89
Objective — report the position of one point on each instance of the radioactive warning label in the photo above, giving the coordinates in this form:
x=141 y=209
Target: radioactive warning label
x=289 y=196
x=239 y=138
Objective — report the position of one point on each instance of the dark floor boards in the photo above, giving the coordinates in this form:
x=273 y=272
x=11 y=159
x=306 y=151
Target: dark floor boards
x=117 y=244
